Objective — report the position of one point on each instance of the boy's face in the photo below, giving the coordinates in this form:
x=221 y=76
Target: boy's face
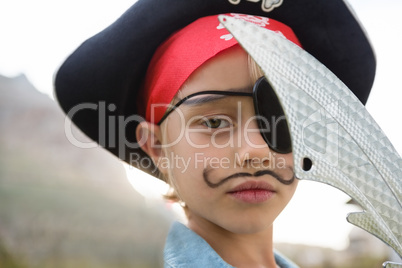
x=219 y=163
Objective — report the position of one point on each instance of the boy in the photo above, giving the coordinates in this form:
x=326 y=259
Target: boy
x=192 y=85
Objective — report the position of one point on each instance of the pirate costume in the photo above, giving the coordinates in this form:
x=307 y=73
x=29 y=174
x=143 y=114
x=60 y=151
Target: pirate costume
x=147 y=54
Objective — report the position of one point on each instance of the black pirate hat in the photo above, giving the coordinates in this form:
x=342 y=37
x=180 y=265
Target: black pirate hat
x=97 y=86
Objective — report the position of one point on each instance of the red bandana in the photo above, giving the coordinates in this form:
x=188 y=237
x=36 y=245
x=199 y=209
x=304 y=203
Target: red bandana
x=186 y=50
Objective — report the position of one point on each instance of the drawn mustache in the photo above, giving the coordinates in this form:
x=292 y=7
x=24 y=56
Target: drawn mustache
x=246 y=174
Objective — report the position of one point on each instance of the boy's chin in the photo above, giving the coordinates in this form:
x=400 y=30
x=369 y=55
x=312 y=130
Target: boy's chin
x=243 y=225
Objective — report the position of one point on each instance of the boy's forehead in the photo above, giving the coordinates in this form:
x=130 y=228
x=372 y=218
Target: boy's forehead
x=227 y=71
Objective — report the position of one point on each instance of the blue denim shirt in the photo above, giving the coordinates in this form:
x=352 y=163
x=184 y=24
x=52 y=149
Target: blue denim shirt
x=184 y=248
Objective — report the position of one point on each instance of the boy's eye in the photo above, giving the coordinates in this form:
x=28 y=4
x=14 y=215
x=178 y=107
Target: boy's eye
x=216 y=123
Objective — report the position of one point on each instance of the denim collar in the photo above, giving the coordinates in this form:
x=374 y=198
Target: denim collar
x=184 y=249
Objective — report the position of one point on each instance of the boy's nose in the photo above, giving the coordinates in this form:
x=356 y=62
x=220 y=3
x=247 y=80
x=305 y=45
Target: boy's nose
x=252 y=147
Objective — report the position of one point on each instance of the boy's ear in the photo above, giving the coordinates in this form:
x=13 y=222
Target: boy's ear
x=149 y=137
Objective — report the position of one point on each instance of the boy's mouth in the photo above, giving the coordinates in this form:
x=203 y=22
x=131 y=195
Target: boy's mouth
x=252 y=192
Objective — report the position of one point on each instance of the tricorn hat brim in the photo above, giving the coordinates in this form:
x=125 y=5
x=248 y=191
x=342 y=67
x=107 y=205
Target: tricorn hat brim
x=97 y=85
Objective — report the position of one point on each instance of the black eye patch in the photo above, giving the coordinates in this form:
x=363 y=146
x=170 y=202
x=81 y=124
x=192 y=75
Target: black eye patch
x=271 y=118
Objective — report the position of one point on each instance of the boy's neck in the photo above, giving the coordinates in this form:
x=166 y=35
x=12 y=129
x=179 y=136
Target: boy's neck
x=239 y=250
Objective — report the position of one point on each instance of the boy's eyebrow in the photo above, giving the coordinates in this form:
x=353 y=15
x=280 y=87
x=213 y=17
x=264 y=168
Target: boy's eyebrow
x=213 y=95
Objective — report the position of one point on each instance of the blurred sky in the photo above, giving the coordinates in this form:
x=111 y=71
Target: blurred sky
x=36 y=36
